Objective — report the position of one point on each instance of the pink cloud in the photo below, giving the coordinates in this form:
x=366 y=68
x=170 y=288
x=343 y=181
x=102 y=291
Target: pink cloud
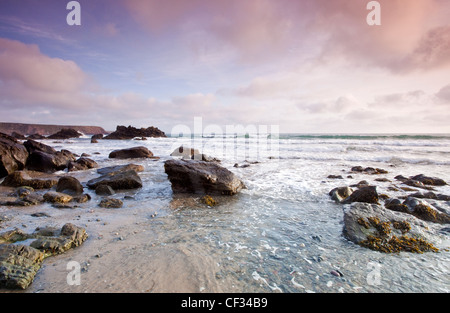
x=25 y=66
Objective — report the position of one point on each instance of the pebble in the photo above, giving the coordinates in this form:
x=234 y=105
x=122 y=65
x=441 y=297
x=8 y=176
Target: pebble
x=336 y=273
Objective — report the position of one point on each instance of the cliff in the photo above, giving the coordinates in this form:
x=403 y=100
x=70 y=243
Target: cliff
x=29 y=129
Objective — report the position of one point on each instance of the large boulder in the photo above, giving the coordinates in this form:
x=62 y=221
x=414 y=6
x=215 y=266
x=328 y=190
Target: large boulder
x=131 y=153
x=191 y=176
x=117 y=180
x=130 y=132
x=32 y=179
x=33 y=146
x=374 y=227
x=65 y=133
x=13 y=155
x=426 y=180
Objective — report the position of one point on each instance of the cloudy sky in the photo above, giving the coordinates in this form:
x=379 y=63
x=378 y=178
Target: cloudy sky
x=309 y=66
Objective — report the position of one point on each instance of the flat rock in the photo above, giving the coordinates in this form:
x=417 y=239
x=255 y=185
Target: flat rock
x=57 y=197
x=117 y=180
x=120 y=168
x=18 y=265
x=29 y=178
x=111 y=203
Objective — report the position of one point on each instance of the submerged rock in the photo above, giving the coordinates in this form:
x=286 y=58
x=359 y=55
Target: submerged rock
x=120 y=168
x=339 y=194
x=190 y=176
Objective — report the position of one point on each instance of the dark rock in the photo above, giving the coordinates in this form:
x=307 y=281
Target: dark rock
x=49 y=163
x=40 y=214
x=36 y=137
x=65 y=133
x=357 y=169
x=201 y=177
x=104 y=190
x=362 y=183
x=94 y=141
x=33 y=146
x=111 y=203
x=13 y=155
x=69 y=185
x=335 y=177
x=82 y=164
x=131 y=153
x=364 y=194
x=97 y=136
x=82 y=198
x=416 y=183
x=236 y=165
x=426 y=180
x=120 y=168
x=185 y=152
x=18 y=136
x=117 y=180
x=29 y=178
x=130 y=132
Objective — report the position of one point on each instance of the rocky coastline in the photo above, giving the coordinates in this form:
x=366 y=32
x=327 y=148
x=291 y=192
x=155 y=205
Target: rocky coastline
x=28 y=173
x=411 y=218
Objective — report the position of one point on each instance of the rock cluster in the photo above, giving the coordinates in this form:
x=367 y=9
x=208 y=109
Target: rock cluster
x=131 y=132
x=19 y=263
x=411 y=225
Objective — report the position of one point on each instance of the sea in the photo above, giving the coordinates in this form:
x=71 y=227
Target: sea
x=282 y=233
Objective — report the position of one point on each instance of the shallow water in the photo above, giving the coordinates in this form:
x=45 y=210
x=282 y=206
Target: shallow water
x=282 y=234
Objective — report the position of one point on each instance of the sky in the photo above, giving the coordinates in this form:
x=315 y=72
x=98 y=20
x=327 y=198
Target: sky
x=306 y=66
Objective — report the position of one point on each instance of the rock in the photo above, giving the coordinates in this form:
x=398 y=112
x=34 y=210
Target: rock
x=57 y=242
x=362 y=183
x=368 y=170
x=236 y=165
x=335 y=177
x=69 y=185
x=111 y=203
x=433 y=181
x=18 y=265
x=94 y=138
x=185 y=152
x=130 y=132
x=13 y=236
x=13 y=155
x=57 y=197
x=131 y=153
x=18 y=136
x=36 y=136
x=190 y=176
x=117 y=180
x=49 y=163
x=33 y=146
x=364 y=194
x=423 y=210
x=65 y=133
x=372 y=226
x=82 y=198
x=120 y=168
x=104 y=190
x=82 y=164
x=340 y=193
x=29 y=178
x=27 y=200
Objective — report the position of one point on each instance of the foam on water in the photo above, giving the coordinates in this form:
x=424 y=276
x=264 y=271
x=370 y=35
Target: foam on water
x=282 y=234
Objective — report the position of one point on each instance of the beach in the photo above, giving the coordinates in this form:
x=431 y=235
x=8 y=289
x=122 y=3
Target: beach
x=283 y=233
